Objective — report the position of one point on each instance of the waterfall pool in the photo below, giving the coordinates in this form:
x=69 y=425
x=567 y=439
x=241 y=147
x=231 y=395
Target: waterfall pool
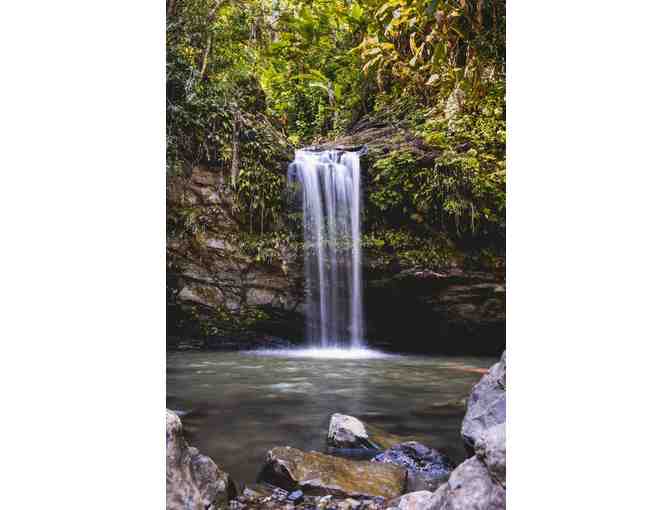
x=235 y=406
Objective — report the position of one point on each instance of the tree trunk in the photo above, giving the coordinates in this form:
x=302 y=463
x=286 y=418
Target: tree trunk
x=206 y=53
x=208 y=47
x=235 y=149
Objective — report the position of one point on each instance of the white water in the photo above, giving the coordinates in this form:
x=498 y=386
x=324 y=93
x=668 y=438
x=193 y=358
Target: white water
x=323 y=353
x=331 y=198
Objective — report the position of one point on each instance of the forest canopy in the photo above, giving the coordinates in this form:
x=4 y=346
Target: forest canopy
x=243 y=73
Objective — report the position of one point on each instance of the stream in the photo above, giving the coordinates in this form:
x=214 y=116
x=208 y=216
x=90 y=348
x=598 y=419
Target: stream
x=235 y=406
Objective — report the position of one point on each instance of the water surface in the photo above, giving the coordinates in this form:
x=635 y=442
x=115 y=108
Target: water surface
x=236 y=406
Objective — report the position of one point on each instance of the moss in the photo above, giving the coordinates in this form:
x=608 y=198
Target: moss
x=404 y=249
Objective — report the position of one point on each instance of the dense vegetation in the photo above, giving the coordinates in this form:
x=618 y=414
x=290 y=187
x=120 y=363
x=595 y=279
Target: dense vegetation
x=248 y=80
x=240 y=70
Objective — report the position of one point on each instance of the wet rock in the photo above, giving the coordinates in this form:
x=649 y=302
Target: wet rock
x=279 y=494
x=412 y=501
x=349 y=504
x=487 y=403
x=324 y=502
x=427 y=468
x=193 y=480
x=318 y=474
x=351 y=433
x=470 y=487
x=491 y=449
x=295 y=497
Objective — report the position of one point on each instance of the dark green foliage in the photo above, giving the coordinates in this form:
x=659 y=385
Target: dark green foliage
x=462 y=190
x=409 y=249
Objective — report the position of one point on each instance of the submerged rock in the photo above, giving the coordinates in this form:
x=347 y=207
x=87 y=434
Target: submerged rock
x=427 y=468
x=486 y=406
x=349 y=432
x=193 y=480
x=470 y=487
x=319 y=474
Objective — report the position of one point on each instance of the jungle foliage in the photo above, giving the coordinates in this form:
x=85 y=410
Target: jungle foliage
x=245 y=76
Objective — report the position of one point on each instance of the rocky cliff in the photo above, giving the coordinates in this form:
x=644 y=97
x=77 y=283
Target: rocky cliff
x=231 y=284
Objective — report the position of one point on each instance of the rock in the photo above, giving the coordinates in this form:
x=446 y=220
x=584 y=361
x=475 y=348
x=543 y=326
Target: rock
x=479 y=483
x=412 y=501
x=193 y=480
x=324 y=502
x=469 y=488
x=349 y=432
x=491 y=449
x=295 y=497
x=427 y=467
x=486 y=406
x=318 y=474
x=349 y=504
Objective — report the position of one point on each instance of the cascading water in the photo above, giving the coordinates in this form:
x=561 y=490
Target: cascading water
x=331 y=199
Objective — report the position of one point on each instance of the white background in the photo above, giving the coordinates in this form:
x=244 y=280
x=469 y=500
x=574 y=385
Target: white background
x=82 y=255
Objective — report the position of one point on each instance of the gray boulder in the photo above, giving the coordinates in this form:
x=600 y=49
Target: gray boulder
x=412 y=501
x=486 y=406
x=193 y=480
x=348 y=432
x=470 y=487
x=491 y=450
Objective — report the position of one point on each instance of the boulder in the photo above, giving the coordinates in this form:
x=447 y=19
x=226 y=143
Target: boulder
x=351 y=433
x=486 y=406
x=491 y=449
x=412 y=501
x=193 y=480
x=427 y=467
x=470 y=487
x=318 y=474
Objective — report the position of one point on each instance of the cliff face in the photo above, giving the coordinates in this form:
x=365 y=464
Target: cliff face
x=228 y=287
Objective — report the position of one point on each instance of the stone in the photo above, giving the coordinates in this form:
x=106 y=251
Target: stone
x=193 y=480
x=412 y=501
x=317 y=474
x=486 y=406
x=470 y=487
x=350 y=432
x=427 y=468
x=491 y=449
x=295 y=497
x=201 y=294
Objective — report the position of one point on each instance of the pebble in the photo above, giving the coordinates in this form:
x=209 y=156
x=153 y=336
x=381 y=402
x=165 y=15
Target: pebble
x=295 y=497
x=280 y=499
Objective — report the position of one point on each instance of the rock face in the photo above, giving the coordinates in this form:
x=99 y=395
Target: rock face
x=486 y=406
x=193 y=480
x=215 y=270
x=479 y=483
x=467 y=307
x=213 y=274
x=318 y=474
x=470 y=487
x=427 y=467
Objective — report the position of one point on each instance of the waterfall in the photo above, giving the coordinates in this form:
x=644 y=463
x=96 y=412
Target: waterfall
x=330 y=193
